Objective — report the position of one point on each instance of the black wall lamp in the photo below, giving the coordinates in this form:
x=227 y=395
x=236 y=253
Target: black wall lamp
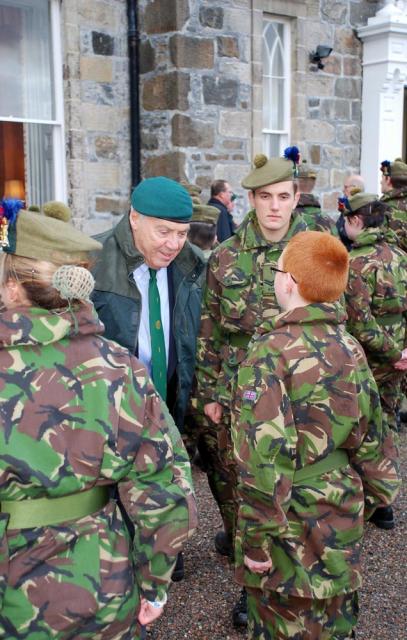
x=322 y=51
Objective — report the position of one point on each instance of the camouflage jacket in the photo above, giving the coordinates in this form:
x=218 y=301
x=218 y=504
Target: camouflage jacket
x=310 y=209
x=239 y=295
x=76 y=410
x=376 y=295
x=397 y=200
x=304 y=391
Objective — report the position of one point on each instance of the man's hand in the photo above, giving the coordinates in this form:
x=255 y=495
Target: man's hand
x=257 y=567
x=214 y=411
x=148 y=613
x=401 y=364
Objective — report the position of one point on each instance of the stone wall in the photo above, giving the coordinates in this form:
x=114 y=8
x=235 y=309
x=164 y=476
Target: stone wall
x=201 y=94
x=196 y=89
x=201 y=87
x=326 y=120
x=96 y=96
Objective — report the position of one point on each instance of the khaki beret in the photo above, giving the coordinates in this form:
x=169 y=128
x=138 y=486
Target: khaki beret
x=358 y=199
x=42 y=236
x=200 y=212
x=395 y=169
x=270 y=171
x=305 y=171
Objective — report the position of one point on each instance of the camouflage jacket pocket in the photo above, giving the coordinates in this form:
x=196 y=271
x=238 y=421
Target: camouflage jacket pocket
x=235 y=298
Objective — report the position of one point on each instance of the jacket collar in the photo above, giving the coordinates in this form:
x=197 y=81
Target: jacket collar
x=374 y=235
x=34 y=325
x=251 y=236
x=323 y=312
x=308 y=200
x=394 y=194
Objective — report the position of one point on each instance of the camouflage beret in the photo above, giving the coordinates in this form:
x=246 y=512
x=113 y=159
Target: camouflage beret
x=270 y=171
x=305 y=171
x=395 y=169
x=205 y=213
x=43 y=237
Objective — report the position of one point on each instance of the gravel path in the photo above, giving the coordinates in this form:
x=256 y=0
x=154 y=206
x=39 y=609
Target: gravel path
x=199 y=606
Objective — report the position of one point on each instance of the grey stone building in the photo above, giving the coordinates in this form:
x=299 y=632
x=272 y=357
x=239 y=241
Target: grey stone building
x=219 y=81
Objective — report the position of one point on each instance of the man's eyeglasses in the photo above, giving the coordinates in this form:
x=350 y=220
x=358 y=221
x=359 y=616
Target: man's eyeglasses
x=281 y=271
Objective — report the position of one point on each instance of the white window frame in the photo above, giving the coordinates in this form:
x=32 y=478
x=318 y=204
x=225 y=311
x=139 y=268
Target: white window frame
x=58 y=129
x=285 y=133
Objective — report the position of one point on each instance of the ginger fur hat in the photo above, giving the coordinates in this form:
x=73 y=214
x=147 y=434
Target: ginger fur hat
x=319 y=263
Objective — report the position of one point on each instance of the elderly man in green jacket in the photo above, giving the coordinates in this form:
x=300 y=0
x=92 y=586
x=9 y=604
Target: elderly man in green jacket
x=148 y=290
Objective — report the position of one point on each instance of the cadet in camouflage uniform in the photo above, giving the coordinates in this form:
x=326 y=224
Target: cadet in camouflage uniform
x=394 y=189
x=78 y=417
x=311 y=454
x=376 y=302
x=309 y=205
x=239 y=295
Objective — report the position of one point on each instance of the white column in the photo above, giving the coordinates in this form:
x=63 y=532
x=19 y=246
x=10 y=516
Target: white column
x=384 y=76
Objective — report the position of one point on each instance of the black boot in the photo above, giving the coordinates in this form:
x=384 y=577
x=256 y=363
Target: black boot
x=239 y=612
x=178 y=572
x=383 y=518
x=223 y=544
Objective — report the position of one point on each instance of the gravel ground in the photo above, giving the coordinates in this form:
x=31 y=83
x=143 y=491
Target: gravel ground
x=199 y=607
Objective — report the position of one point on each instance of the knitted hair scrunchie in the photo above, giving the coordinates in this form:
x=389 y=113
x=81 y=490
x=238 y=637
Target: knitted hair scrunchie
x=73 y=282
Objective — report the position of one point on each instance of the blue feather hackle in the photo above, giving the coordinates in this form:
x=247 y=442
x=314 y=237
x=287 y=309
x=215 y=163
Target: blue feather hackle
x=292 y=153
x=11 y=208
x=343 y=204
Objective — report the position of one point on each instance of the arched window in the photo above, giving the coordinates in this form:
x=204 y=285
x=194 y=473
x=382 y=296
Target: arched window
x=276 y=85
x=32 y=154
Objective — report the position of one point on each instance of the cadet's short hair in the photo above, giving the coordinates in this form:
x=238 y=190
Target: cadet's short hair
x=398 y=182
x=319 y=263
x=372 y=214
x=202 y=234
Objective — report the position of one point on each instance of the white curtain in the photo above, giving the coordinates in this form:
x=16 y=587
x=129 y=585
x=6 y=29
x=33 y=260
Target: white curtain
x=26 y=77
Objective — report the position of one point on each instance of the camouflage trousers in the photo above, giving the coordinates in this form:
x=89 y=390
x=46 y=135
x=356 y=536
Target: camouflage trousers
x=215 y=449
x=274 y=616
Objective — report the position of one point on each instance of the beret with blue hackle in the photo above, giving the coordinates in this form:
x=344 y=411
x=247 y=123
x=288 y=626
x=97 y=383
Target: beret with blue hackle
x=270 y=171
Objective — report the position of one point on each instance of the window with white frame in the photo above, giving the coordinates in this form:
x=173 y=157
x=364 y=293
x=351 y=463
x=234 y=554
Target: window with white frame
x=32 y=166
x=276 y=85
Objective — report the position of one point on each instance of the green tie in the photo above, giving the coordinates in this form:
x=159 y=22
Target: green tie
x=158 y=356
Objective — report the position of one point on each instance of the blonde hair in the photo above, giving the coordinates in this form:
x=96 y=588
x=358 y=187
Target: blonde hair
x=35 y=277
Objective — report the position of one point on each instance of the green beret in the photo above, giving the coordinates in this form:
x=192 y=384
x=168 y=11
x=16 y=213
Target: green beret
x=43 y=237
x=305 y=171
x=268 y=172
x=162 y=198
x=359 y=200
